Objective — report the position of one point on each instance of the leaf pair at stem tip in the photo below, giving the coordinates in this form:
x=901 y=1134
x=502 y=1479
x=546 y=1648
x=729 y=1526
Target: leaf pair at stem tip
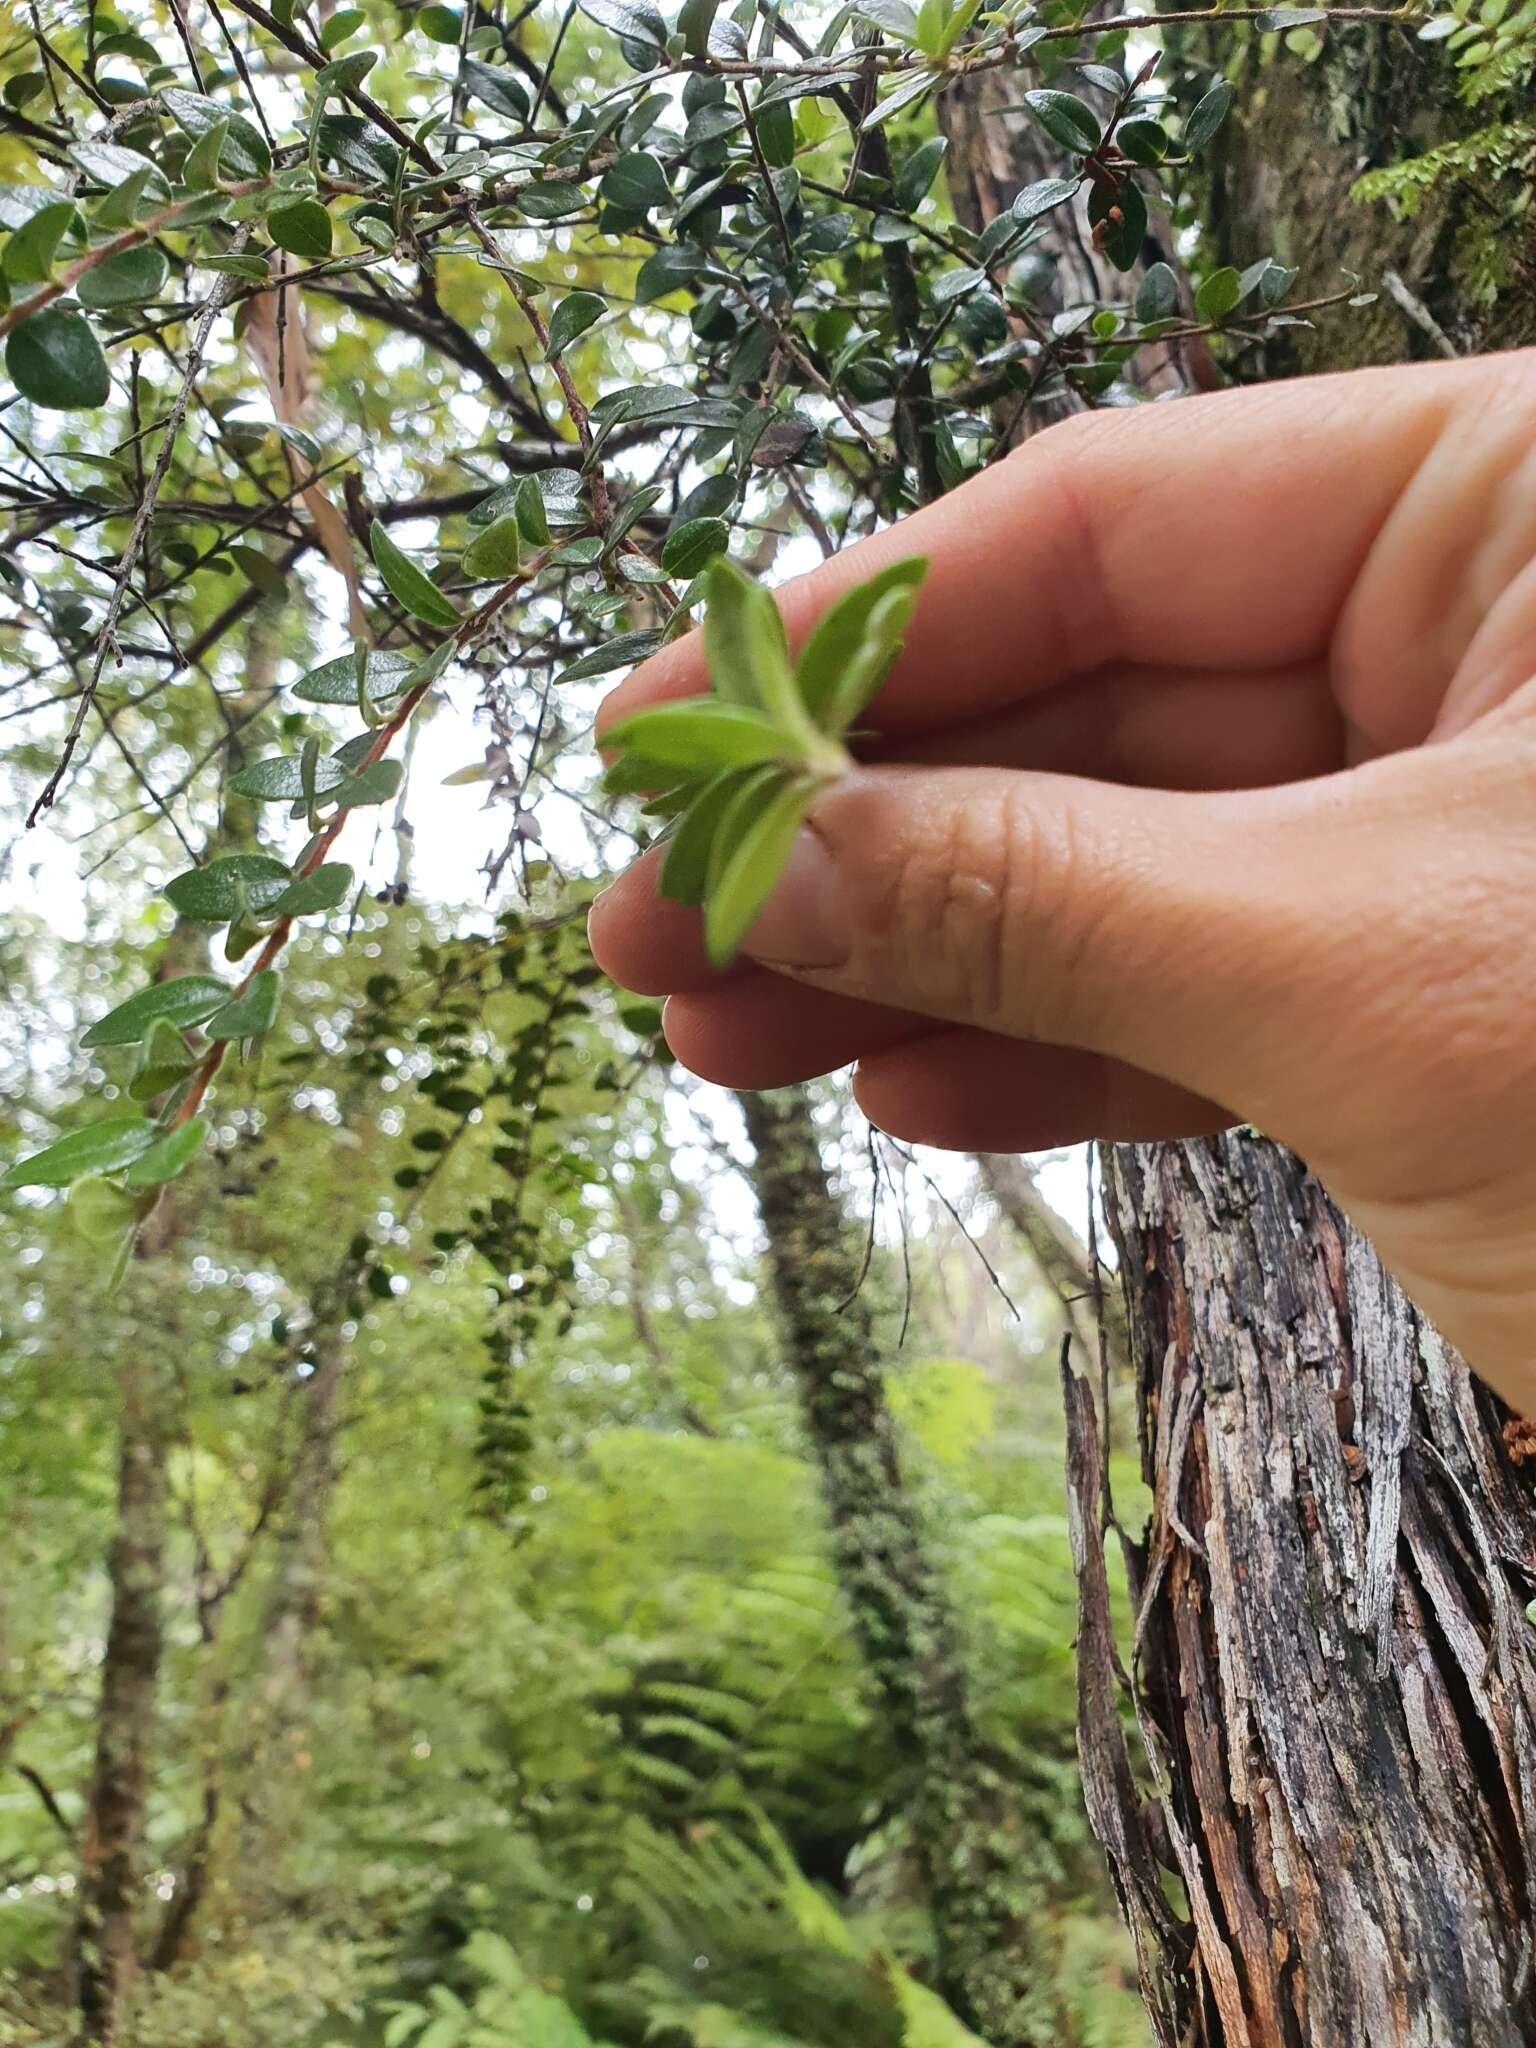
x=737 y=770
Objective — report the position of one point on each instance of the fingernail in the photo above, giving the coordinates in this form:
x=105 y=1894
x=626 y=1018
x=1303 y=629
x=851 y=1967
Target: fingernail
x=806 y=921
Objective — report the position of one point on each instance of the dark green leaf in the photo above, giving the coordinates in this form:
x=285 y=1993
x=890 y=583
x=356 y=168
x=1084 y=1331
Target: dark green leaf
x=133 y=277
x=1120 y=216
x=635 y=20
x=919 y=172
x=252 y=1012
x=111 y=164
x=496 y=89
x=279 y=778
x=551 y=200
x=322 y=889
x=1042 y=197
x=105 y=1147
x=690 y=546
x=335 y=682
x=303 y=229
x=496 y=550
x=636 y=182
x=442 y=24
x=1157 y=298
x=411 y=587
x=244 y=154
x=225 y=887
x=375 y=784
x=182 y=1002
x=621 y=652
x=55 y=360
x=169 y=1155
x=1065 y=118
x=1207 y=115
x=571 y=317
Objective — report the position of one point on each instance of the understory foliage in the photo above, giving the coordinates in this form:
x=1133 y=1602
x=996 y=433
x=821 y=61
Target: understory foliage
x=381 y=380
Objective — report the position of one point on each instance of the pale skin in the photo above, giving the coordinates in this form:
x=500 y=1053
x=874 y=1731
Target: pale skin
x=1204 y=790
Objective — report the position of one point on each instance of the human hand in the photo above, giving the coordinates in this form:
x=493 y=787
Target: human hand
x=1204 y=789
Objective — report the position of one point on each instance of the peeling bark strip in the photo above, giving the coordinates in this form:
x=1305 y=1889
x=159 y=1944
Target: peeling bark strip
x=1336 y=1674
x=980 y=1868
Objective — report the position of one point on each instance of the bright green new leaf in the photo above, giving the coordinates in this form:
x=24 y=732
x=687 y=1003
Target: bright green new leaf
x=244 y=152
x=182 y=1002
x=698 y=733
x=747 y=879
x=105 y=1147
x=840 y=646
x=200 y=172
x=164 y=1060
x=55 y=360
x=169 y=1155
x=745 y=647
x=100 y=1210
x=685 y=869
x=251 y=1012
x=1219 y=294
x=411 y=587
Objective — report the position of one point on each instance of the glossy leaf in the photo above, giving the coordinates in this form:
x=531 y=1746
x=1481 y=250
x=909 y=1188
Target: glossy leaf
x=303 y=228
x=183 y=1001
x=225 y=887
x=133 y=277
x=410 y=586
x=571 y=317
x=105 y=1147
x=55 y=360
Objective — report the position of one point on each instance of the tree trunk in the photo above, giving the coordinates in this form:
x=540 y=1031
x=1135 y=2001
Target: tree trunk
x=113 y=1833
x=1336 y=1677
x=974 y=1853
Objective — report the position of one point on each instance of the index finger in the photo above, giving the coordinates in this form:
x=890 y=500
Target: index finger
x=1216 y=532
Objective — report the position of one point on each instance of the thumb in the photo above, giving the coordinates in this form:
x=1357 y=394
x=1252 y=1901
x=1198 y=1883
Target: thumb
x=1167 y=930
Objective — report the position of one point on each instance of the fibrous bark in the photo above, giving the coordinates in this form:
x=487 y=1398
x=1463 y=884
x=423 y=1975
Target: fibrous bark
x=975 y=1856
x=1336 y=1681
